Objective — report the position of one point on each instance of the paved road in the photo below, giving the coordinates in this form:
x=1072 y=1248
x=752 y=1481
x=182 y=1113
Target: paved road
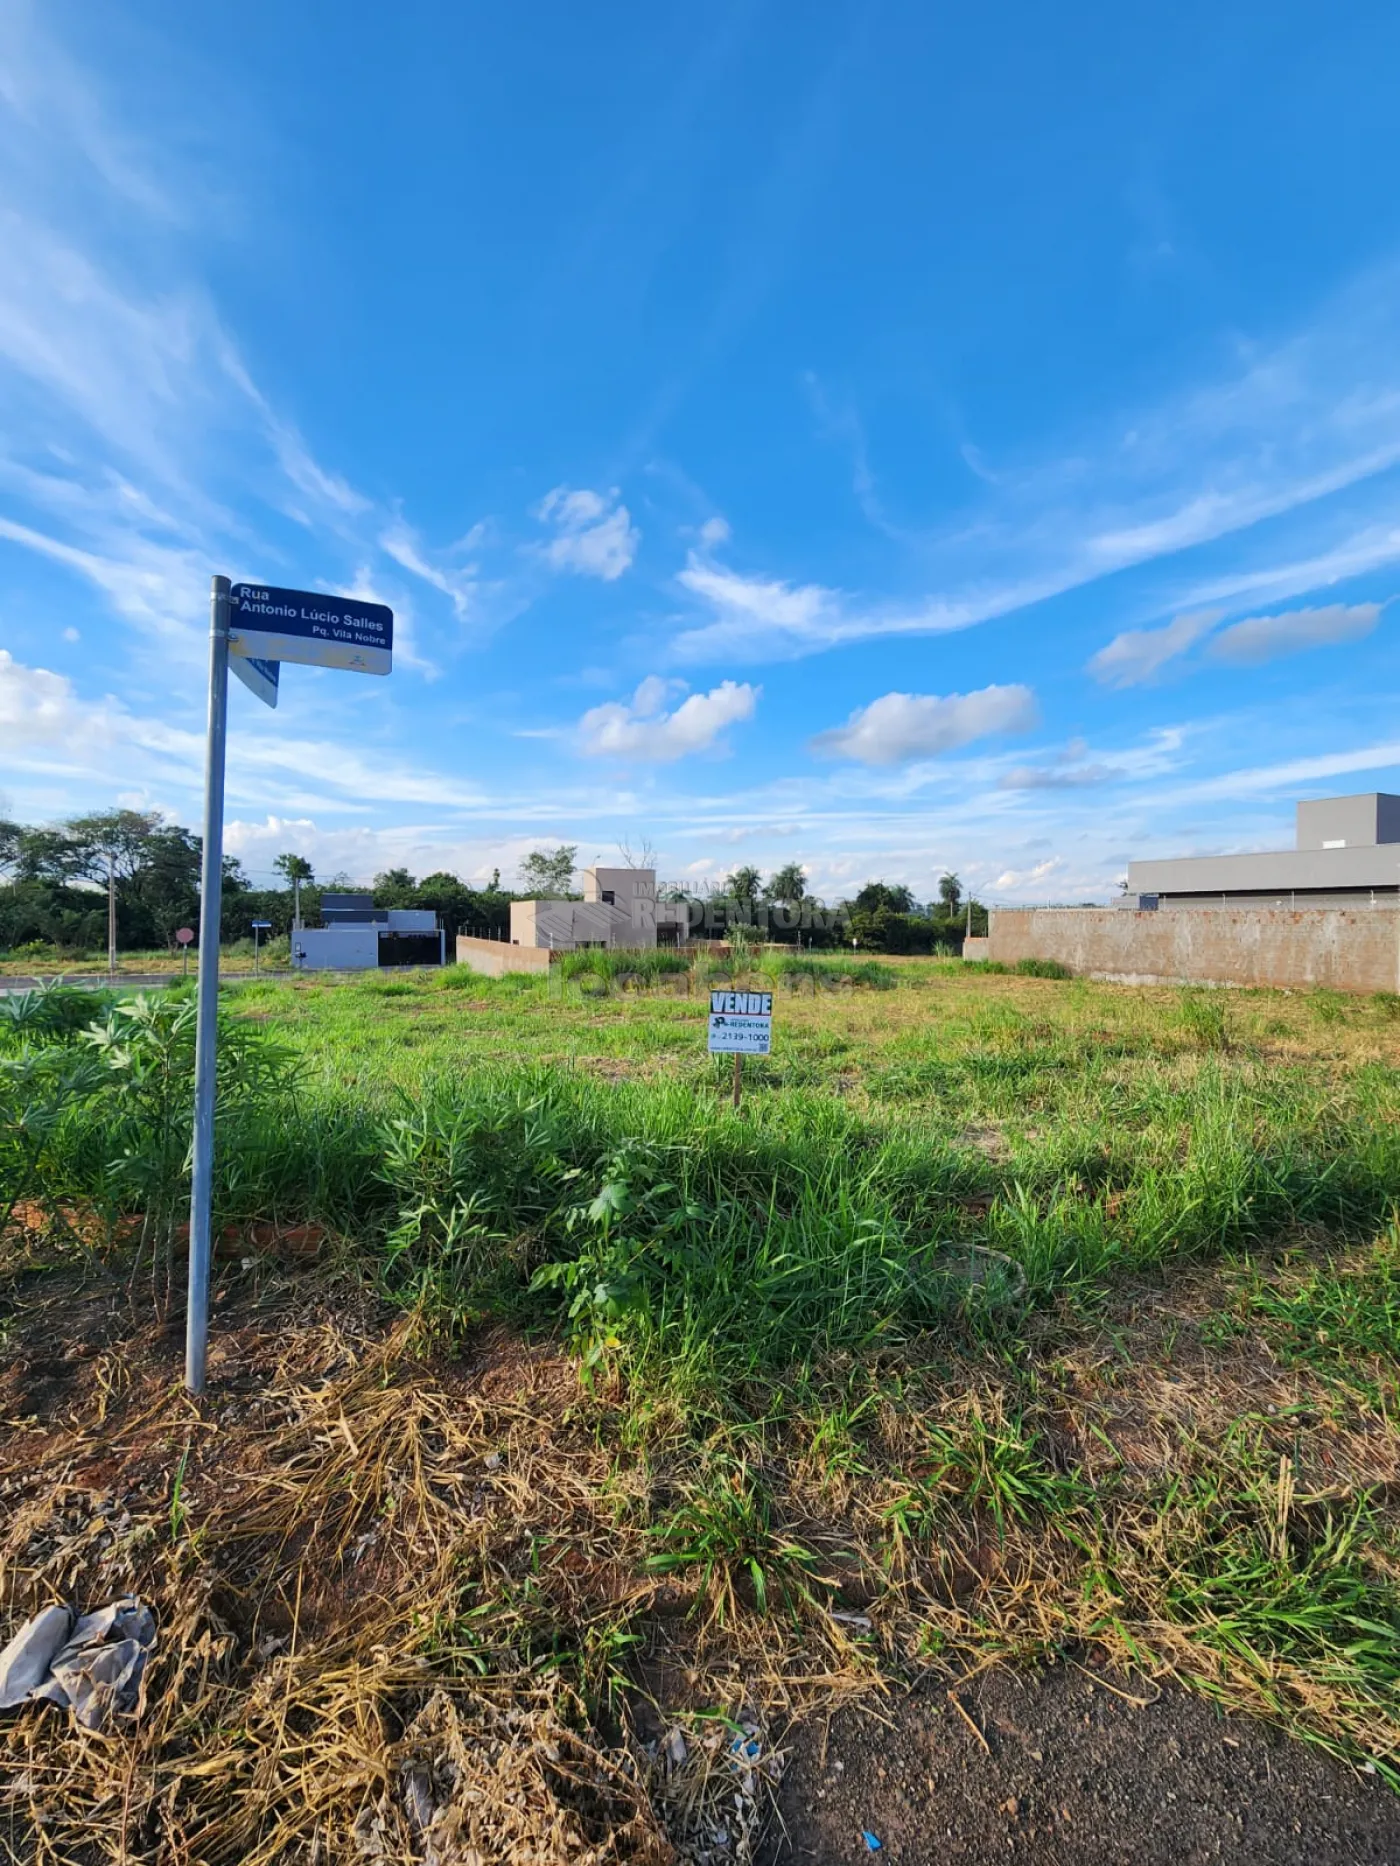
x=140 y=981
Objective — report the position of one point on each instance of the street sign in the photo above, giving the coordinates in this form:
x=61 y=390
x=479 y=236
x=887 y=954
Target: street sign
x=261 y=627
x=258 y=677
x=741 y=1023
x=184 y=936
x=268 y=624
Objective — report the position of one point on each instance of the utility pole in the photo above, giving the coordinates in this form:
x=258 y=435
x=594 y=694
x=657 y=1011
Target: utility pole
x=111 y=915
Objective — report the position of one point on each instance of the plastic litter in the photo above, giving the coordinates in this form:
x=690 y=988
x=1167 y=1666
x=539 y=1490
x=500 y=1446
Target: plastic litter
x=26 y=1662
x=873 y=1843
x=92 y=1662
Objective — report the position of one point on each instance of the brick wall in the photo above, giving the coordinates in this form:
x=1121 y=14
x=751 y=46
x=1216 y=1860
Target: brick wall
x=1348 y=949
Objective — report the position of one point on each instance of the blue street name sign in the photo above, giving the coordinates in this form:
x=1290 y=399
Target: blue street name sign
x=269 y=624
x=258 y=677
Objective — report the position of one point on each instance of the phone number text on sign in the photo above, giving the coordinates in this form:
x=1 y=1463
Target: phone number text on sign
x=741 y=1023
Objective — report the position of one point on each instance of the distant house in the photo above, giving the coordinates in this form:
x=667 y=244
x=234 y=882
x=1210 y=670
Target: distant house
x=1346 y=854
x=619 y=909
x=357 y=936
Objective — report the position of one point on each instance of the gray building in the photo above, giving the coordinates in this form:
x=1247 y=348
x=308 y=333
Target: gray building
x=357 y=936
x=1346 y=853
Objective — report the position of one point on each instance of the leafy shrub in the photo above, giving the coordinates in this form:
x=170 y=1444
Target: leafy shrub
x=49 y=1012
x=143 y=1098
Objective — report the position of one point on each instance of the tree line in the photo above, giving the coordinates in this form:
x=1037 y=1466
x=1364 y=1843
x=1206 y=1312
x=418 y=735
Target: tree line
x=54 y=883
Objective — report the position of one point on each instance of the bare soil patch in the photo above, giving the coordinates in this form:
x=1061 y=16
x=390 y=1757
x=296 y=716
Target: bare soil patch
x=1067 y=1769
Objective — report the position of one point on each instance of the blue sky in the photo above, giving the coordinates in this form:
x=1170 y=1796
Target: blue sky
x=886 y=436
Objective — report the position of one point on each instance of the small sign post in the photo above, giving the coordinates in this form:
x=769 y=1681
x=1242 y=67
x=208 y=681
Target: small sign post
x=263 y=627
x=183 y=936
x=741 y=1024
x=259 y=928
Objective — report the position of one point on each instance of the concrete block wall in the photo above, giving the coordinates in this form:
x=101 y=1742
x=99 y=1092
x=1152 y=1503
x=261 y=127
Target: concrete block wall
x=1347 y=949
x=493 y=958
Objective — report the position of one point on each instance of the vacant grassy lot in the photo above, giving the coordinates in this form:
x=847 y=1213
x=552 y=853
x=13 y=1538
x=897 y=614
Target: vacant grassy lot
x=1012 y=1317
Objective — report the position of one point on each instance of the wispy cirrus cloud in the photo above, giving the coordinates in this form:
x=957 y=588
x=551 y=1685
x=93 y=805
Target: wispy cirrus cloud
x=643 y=728
x=1285 y=432
x=48 y=726
x=139 y=451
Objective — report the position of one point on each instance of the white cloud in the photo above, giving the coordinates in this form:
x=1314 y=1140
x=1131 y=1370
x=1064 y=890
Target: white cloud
x=72 y=634
x=1059 y=777
x=1018 y=879
x=901 y=726
x=36 y=707
x=1139 y=653
x=715 y=531
x=1263 y=638
x=1072 y=768
x=644 y=730
x=595 y=533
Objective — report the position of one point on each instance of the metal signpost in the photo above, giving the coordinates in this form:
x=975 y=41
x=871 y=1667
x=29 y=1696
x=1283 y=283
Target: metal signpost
x=741 y=1024
x=261 y=627
x=259 y=928
x=183 y=937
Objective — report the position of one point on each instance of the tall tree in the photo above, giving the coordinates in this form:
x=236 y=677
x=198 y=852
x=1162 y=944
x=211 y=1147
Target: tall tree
x=788 y=885
x=893 y=898
x=51 y=855
x=745 y=884
x=163 y=894
x=113 y=841
x=12 y=841
x=950 y=893
x=549 y=871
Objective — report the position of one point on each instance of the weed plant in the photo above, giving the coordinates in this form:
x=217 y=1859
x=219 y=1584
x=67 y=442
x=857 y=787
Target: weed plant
x=885 y=1292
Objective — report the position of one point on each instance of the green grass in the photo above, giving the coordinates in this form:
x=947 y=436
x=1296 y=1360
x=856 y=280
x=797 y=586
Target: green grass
x=893 y=1288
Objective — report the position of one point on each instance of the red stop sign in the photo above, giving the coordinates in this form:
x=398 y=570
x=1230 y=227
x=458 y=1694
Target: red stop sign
x=184 y=936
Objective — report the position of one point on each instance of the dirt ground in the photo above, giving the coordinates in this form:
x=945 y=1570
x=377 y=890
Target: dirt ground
x=328 y=1488
x=1067 y=1769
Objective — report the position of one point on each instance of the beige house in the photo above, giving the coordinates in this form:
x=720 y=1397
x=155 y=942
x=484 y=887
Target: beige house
x=619 y=908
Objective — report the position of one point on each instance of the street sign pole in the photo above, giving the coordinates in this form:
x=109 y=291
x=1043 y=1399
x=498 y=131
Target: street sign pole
x=206 y=1027
x=259 y=928
x=260 y=627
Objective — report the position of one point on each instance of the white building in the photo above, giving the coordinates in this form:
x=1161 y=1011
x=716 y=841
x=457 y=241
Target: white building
x=619 y=908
